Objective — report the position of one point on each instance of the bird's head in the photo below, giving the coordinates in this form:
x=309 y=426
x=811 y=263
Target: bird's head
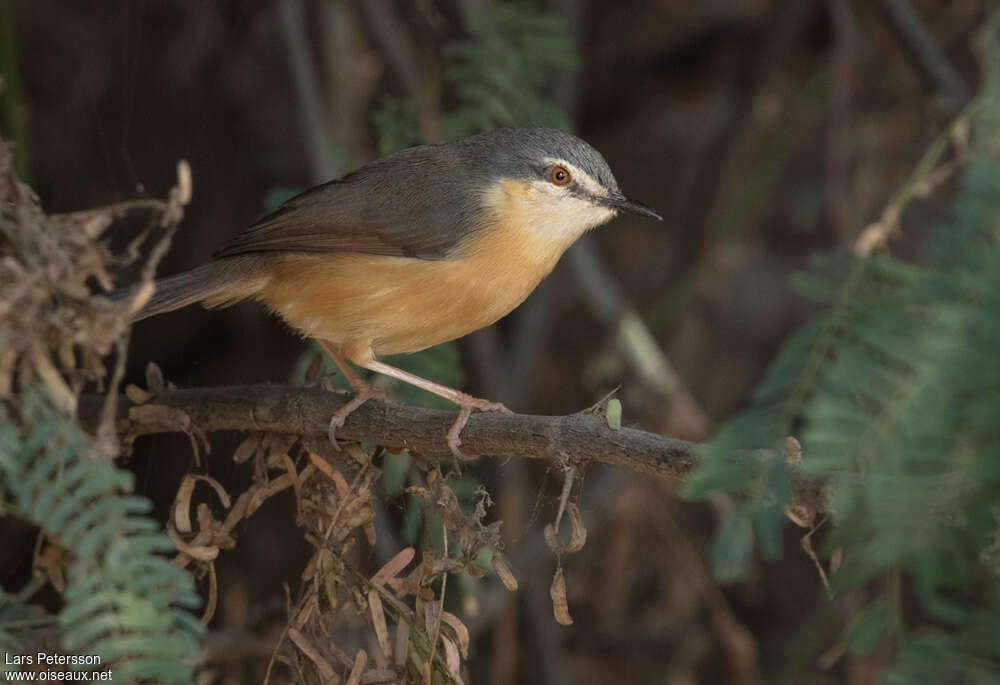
x=555 y=184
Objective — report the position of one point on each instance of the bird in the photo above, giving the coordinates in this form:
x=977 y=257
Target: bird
x=420 y=247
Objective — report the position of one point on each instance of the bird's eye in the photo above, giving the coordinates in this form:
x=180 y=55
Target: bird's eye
x=559 y=175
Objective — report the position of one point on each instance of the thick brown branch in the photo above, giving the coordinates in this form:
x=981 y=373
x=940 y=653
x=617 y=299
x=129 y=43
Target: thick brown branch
x=581 y=437
x=307 y=411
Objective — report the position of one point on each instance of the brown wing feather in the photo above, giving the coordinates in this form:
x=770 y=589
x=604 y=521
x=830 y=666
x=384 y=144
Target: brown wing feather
x=399 y=206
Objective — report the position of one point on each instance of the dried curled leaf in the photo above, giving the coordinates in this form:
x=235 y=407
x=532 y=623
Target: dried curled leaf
x=306 y=646
x=378 y=622
x=451 y=658
x=461 y=632
x=358 y=669
x=503 y=572
x=557 y=592
x=246 y=450
x=578 y=533
x=137 y=395
x=154 y=379
x=182 y=505
x=392 y=568
x=196 y=552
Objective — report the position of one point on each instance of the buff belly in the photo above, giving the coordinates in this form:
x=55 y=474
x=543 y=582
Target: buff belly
x=394 y=305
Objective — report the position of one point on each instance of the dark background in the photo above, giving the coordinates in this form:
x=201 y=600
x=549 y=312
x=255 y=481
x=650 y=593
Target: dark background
x=762 y=130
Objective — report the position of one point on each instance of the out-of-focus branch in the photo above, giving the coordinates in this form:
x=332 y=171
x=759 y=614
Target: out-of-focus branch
x=925 y=53
x=635 y=342
x=293 y=27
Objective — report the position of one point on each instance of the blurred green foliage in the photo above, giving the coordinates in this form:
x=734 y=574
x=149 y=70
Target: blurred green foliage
x=497 y=75
x=123 y=599
x=894 y=394
x=499 y=72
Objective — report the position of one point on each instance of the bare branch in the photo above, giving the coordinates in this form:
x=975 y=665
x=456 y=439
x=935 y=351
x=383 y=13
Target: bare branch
x=578 y=438
x=307 y=411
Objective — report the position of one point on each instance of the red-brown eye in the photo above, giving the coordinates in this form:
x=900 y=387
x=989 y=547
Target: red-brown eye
x=560 y=175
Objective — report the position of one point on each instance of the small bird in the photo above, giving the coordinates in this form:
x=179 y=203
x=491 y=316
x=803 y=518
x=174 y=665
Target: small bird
x=420 y=247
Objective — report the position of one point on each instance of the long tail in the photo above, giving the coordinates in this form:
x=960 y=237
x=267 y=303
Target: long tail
x=215 y=283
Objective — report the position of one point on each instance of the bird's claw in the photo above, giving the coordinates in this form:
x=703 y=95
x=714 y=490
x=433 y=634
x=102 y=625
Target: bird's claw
x=361 y=395
x=467 y=406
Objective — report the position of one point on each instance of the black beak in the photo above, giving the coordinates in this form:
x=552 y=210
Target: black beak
x=623 y=204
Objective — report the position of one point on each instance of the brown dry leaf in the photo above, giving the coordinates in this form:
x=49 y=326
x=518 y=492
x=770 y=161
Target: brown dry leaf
x=236 y=514
x=801 y=515
x=343 y=489
x=262 y=494
x=137 y=395
x=182 y=505
x=378 y=622
x=206 y=523
x=793 y=451
x=289 y=465
x=58 y=391
x=246 y=450
x=217 y=487
x=355 y=514
x=356 y=453
x=154 y=379
x=309 y=649
x=213 y=596
x=323 y=465
x=452 y=659
x=557 y=591
x=419 y=492
x=402 y=646
x=503 y=572
x=197 y=552
x=578 y=533
x=360 y=661
x=392 y=568
x=450 y=510
x=461 y=632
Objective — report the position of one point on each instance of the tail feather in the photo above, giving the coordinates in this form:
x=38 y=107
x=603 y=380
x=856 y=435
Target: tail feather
x=213 y=282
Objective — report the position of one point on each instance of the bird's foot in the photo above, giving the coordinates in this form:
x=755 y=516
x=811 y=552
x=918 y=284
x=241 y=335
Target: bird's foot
x=363 y=391
x=467 y=404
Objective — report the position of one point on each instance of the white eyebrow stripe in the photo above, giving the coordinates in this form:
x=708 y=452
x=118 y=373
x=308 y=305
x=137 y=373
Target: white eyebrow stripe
x=586 y=181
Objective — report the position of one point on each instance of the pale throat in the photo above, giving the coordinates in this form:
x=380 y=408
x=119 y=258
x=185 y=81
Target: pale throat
x=550 y=218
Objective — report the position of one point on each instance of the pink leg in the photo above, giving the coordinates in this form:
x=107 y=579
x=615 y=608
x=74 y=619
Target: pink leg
x=467 y=403
x=363 y=390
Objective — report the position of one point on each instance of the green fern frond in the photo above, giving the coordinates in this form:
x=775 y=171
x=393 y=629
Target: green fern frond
x=124 y=600
x=894 y=394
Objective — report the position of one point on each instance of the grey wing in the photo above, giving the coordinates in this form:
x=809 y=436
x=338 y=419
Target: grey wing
x=399 y=209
